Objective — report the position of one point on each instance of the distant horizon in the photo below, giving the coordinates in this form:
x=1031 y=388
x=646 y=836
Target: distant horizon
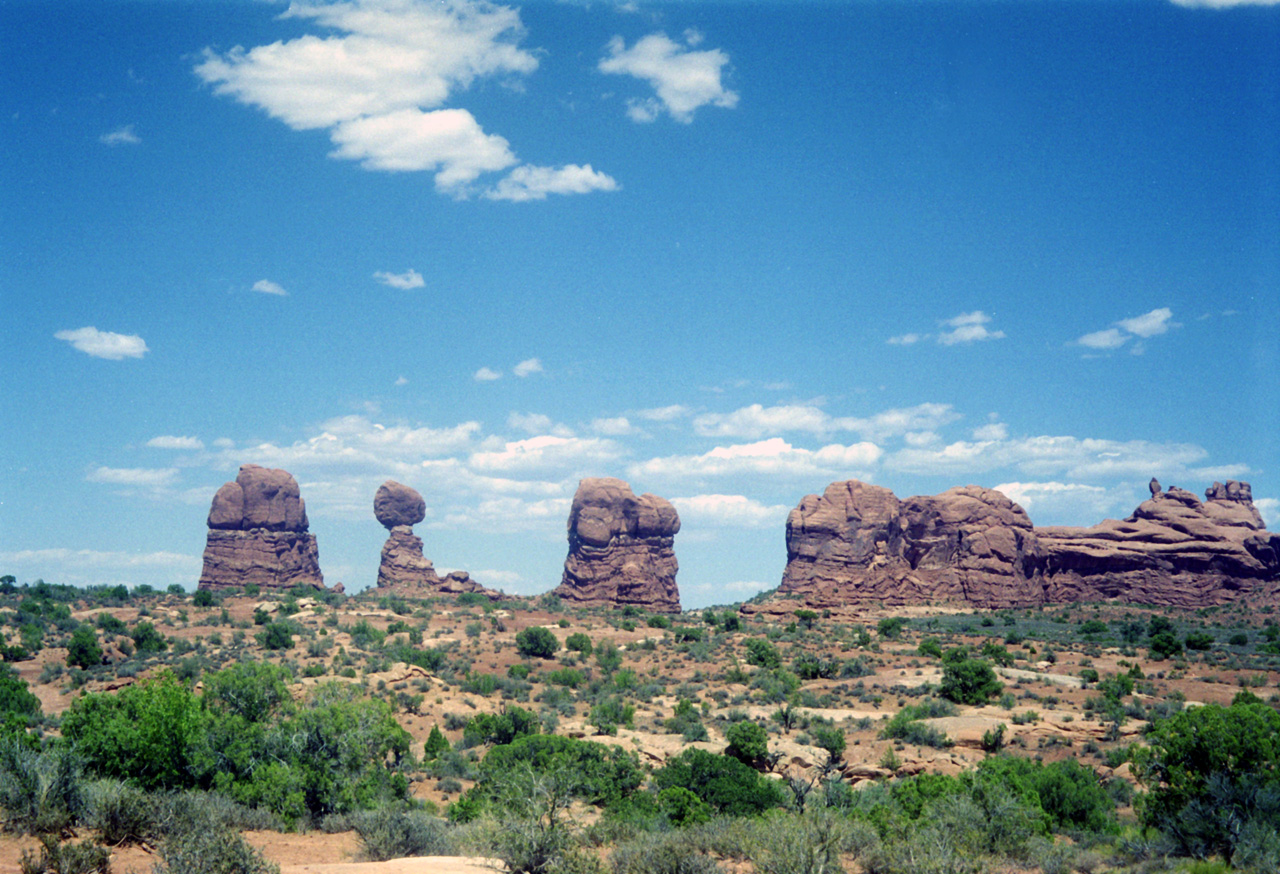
x=727 y=252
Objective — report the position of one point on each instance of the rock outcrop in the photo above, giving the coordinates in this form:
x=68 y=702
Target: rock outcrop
x=621 y=548
x=859 y=544
x=404 y=570
x=258 y=534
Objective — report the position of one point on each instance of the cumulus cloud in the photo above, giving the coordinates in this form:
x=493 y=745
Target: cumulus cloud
x=774 y=456
x=121 y=136
x=664 y=414
x=358 y=441
x=166 y=441
x=134 y=476
x=906 y=339
x=1063 y=503
x=546 y=451
x=737 y=511
x=266 y=286
x=94 y=558
x=405 y=281
x=614 y=426
x=684 y=80
x=527 y=367
x=1270 y=510
x=528 y=182
x=104 y=344
x=486 y=374
x=379 y=81
x=968 y=328
x=1153 y=324
x=537 y=423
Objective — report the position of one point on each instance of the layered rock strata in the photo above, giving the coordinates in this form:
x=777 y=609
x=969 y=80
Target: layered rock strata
x=404 y=570
x=621 y=548
x=859 y=544
x=258 y=534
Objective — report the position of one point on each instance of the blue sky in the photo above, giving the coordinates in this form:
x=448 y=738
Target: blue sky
x=730 y=252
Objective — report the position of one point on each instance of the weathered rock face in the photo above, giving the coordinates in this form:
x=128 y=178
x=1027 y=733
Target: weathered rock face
x=1174 y=550
x=258 y=534
x=858 y=543
x=404 y=570
x=621 y=548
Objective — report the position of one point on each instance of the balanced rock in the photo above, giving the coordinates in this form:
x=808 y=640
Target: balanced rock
x=621 y=548
x=258 y=534
x=404 y=570
x=858 y=543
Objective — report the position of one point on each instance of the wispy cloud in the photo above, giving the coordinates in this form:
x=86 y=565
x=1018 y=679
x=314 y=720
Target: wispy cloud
x=683 y=79
x=121 y=136
x=410 y=279
x=104 y=344
x=266 y=286
x=486 y=374
x=134 y=476
x=958 y=330
x=737 y=511
x=1153 y=324
x=547 y=451
x=378 y=83
x=771 y=457
x=664 y=414
x=758 y=421
x=166 y=441
x=528 y=367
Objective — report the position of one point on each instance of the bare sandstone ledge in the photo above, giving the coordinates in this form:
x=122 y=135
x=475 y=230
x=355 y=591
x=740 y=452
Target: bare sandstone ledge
x=859 y=544
x=621 y=548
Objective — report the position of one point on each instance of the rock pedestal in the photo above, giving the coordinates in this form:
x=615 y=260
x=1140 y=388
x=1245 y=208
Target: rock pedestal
x=258 y=534
x=404 y=570
x=621 y=548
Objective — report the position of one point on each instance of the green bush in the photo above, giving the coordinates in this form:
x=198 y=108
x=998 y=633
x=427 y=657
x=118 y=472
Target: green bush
x=763 y=654
x=611 y=713
x=211 y=851
x=748 y=741
x=275 y=636
x=726 y=784
x=537 y=642
x=968 y=681
x=890 y=628
x=578 y=642
x=83 y=650
x=393 y=832
x=147 y=638
x=1068 y=793
x=54 y=857
x=41 y=791
x=121 y=814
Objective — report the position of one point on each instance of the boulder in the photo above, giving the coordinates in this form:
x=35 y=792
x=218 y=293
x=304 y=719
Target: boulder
x=398 y=505
x=859 y=544
x=258 y=534
x=403 y=564
x=621 y=548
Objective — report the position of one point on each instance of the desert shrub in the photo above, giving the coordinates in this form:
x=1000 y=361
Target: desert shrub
x=211 y=851
x=578 y=642
x=1213 y=771
x=808 y=843
x=83 y=650
x=203 y=598
x=1199 y=641
x=145 y=734
x=603 y=775
x=831 y=739
x=661 y=853
x=890 y=628
x=499 y=728
x=54 y=857
x=905 y=727
x=930 y=647
x=41 y=791
x=686 y=721
x=728 y=785
x=608 y=656
x=748 y=741
x=122 y=814
x=812 y=667
x=762 y=653
x=393 y=832
x=436 y=745
x=533 y=832
x=611 y=713
x=18 y=706
x=275 y=636
x=968 y=680
x=1068 y=793
x=537 y=642
x=1164 y=644
x=147 y=638
x=252 y=690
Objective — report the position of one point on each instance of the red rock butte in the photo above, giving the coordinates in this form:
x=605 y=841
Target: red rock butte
x=404 y=570
x=258 y=534
x=621 y=548
x=859 y=544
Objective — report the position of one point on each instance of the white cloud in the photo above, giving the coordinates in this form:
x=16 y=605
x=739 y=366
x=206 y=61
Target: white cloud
x=736 y=511
x=527 y=367
x=537 y=423
x=616 y=426
x=378 y=83
x=1149 y=324
x=487 y=374
x=968 y=328
x=409 y=279
x=664 y=414
x=121 y=136
x=528 y=182
x=683 y=79
x=1063 y=503
x=104 y=344
x=357 y=441
x=166 y=441
x=757 y=421
x=774 y=456
x=1153 y=324
x=906 y=339
x=266 y=286
x=991 y=431
x=93 y=558
x=134 y=476
x=547 y=451
x=1270 y=510
x=402 y=380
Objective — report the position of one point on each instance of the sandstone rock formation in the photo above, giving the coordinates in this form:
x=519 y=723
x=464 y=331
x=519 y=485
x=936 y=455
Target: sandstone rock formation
x=258 y=534
x=858 y=544
x=404 y=570
x=621 y=548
